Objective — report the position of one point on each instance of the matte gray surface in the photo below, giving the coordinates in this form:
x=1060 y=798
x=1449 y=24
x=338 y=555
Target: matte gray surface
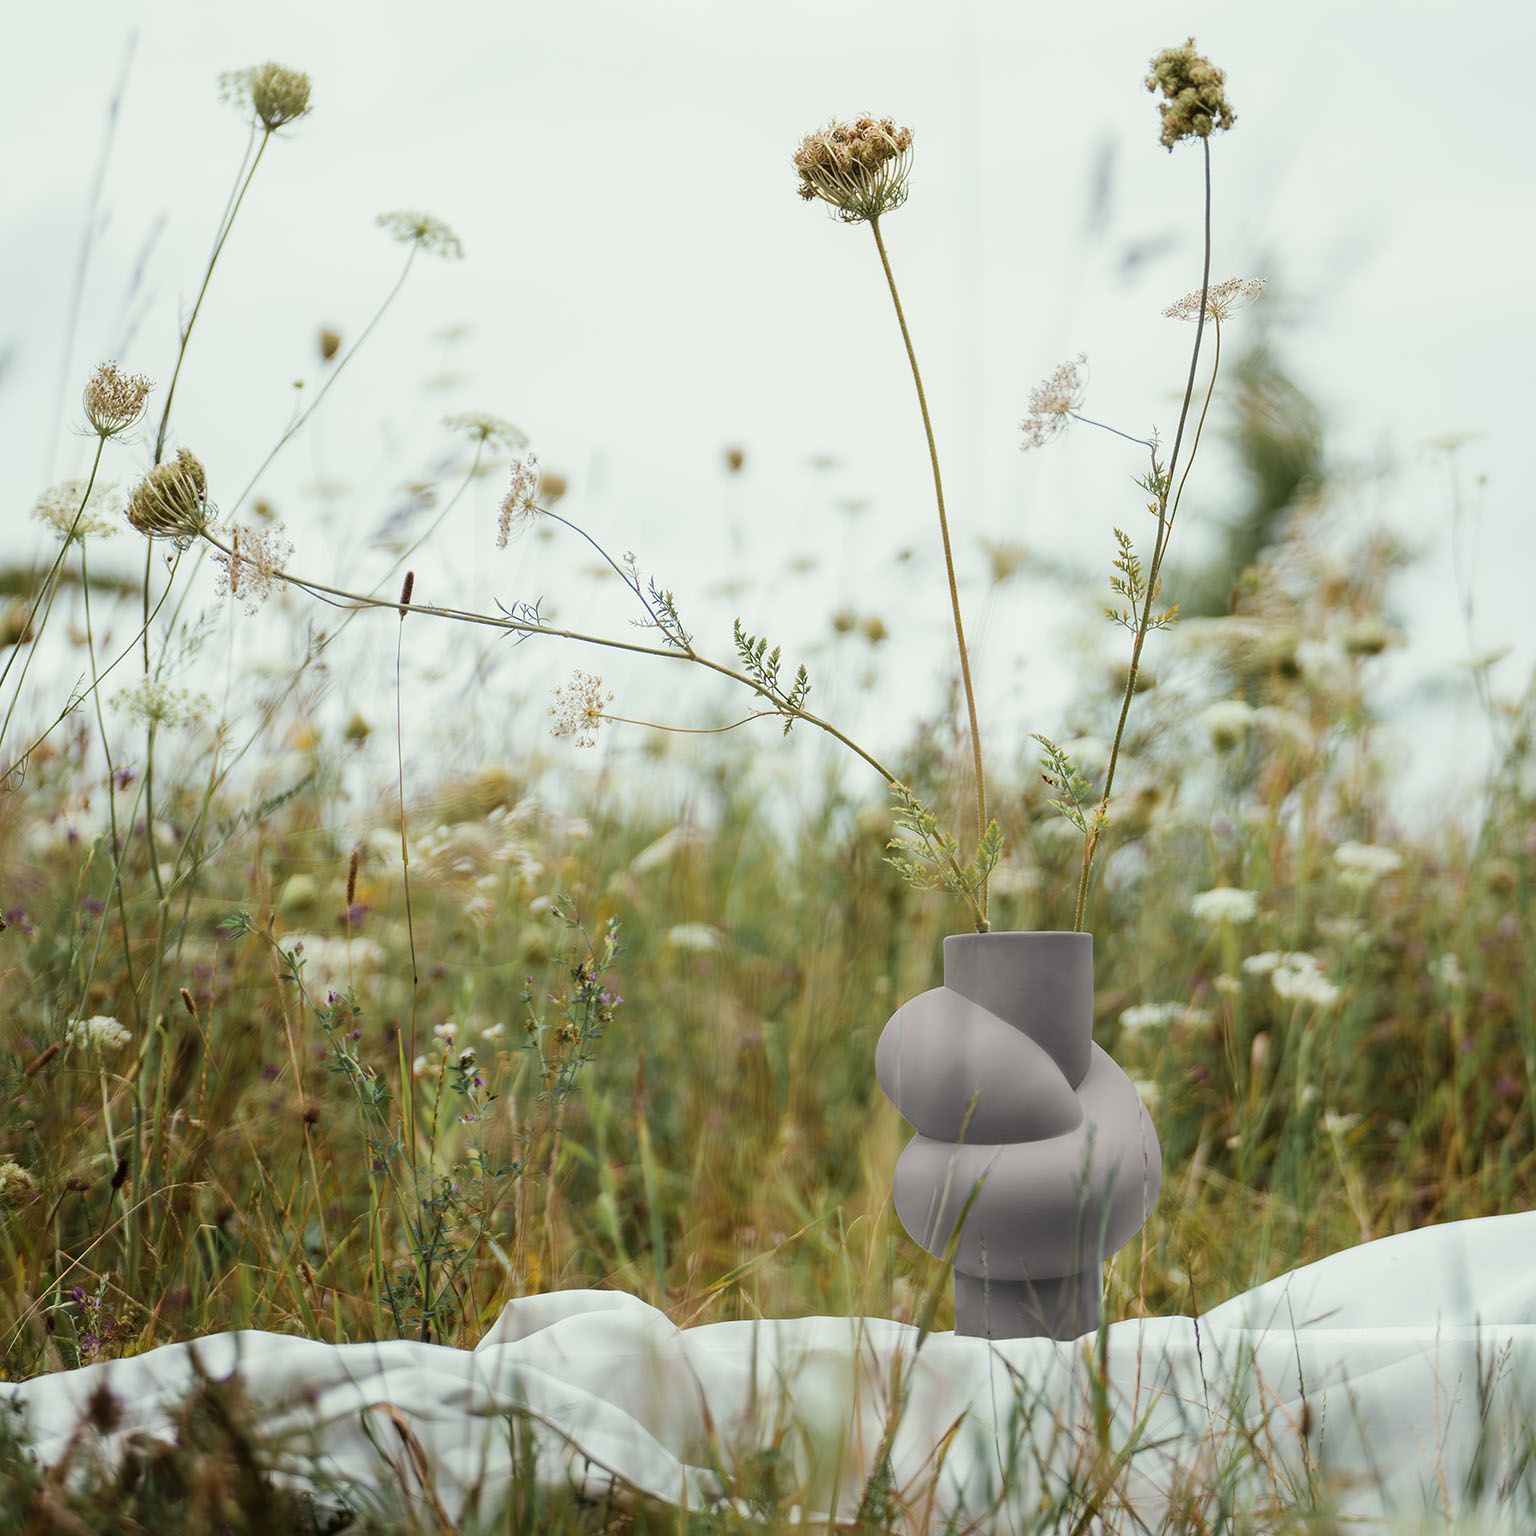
x=1066 y=1149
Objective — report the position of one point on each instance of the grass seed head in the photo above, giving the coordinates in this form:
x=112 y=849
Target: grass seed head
x=171 y=501
x=1195 y=100
x=860 y=168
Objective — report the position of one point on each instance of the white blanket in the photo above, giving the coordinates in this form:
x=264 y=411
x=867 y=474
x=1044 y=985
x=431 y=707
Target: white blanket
x=1396 y=1349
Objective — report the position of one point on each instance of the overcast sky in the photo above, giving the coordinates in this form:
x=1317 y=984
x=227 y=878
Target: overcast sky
x=642 y=289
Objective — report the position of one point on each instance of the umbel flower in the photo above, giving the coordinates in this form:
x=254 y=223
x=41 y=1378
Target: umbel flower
x=275 y=94
x=114 y=400
x=171 y=501
x=1220 y=300
x=1052 y=403
x=860 y=168
x=423 y=231
x=1194 y=101
x=255 y=557
x=60 y=507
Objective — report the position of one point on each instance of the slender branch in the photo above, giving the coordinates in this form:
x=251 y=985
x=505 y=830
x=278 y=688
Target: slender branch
x=213 y=261
x=314 y=405
x=949 y=562
x=1164 y=520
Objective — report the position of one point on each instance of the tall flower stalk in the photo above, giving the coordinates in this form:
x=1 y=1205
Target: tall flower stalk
x=861 y=170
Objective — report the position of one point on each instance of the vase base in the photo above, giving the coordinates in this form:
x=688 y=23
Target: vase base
x=1065 y=1307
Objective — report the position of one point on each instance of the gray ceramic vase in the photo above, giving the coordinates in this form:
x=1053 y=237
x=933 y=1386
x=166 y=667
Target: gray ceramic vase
x=1066 y=1149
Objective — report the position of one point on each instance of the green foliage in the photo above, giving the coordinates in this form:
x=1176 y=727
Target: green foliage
x=1076 y=790
x=1134 y=589
x=929 y=859
x=765 y=671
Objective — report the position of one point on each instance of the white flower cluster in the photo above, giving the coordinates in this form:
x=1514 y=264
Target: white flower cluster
x=1448 y=972
x=1294 y=976
x=1160 y=1015
x=326 y=966
x=1225 y=904
x=696 y=937
x=1362 y=864
x=102 y=1032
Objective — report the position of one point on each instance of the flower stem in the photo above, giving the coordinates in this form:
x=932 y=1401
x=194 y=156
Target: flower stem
x=213 y=260
x=949 y=564
x=1164 y=525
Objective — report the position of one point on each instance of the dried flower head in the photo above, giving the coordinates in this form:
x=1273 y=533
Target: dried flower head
x=329 y=342
x=66 y=509
x=1220 y=299
x=423 y=231
x=1194 y=101
x=578 y=708
x=114 y=400
x=517 y=508
x=1052 y=403
x=256 y=556
x=171 y=501
x=483 y=428
x=17 y=1186
x=275 y=94
x=860 y=168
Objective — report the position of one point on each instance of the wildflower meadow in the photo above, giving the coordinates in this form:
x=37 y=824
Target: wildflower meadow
x=318 y=1022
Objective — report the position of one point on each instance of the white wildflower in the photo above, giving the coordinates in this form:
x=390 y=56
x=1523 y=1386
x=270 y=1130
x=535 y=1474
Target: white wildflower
x=1338 y=1125
x=1262 y=965
x=1362 y=864
x=1446 y=969
x=492 y=1031
x=101 y=1033
x=1225 y=904
x=1148 y=1016
x=326 y=961
x=1285 y=726
x=1228 y=986
x=60 y=507
x=697 y=937
x=1228 y=721
x=1322 y=663
x=1304 y=983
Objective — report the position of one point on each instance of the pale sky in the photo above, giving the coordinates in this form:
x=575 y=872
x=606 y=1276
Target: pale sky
x=642 y=289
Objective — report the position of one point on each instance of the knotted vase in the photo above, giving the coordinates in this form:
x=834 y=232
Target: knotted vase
x=1058 y=1139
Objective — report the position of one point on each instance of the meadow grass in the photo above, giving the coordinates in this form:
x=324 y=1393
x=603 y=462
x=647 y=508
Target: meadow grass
x=372 y=1063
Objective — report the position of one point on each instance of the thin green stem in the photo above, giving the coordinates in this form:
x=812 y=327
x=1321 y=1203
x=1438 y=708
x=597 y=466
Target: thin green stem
x=314 y=405
x=1164 y=521
x=46 y=595
x=949 y=563
x=213 y=261
x=340 y=597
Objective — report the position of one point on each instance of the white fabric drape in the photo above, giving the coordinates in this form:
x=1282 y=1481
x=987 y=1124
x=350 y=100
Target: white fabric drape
x=1397 y=1348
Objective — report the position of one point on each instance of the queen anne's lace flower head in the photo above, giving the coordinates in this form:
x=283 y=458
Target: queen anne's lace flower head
x=860 y=168
x=101 y=1033
x=114 y=400
x=1052 y=402
x=171 y=501
x=423 y=231
x=1225 y=905
x=273 y=93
